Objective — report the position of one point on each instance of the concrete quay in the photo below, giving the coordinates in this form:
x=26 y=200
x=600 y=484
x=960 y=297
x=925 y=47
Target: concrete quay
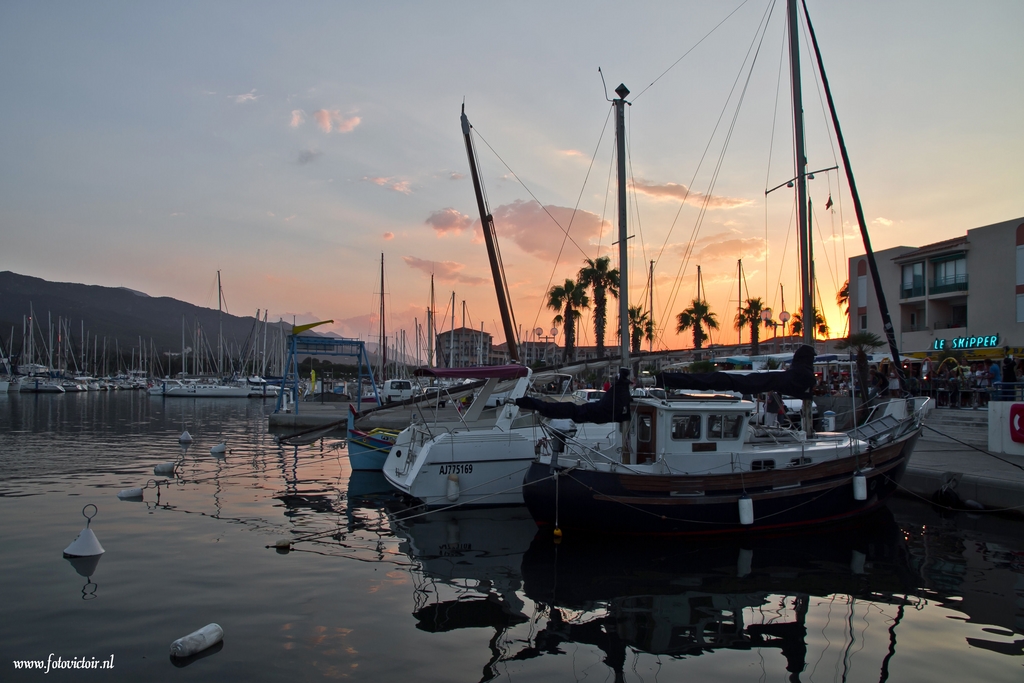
x=994 y=480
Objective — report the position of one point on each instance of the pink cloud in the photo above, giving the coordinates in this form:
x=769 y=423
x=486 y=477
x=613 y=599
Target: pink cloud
x=455 y=175
x=683 y=193
x=388 y=236
x=298 y=118
x=332 y=120
x=391 y=184
x=444 y=271
x=448 y=220
x=531 y=227
x=728 y=245
x=250 y=96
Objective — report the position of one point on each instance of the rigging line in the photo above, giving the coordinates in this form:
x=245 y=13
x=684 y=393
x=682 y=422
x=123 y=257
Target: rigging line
x=771 y=149
x=684 y=262
x=790 y=229
x=565 y=230
x=831 y=270
x=579 y=198
x=695 y=45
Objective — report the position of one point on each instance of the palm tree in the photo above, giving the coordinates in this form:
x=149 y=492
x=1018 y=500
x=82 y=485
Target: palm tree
x=695 y=317
x=751 y=315
x=603 y=281
x=640 y=328
x=820 y=326
x=861 y=343
x=569 y=299
x=843 y=297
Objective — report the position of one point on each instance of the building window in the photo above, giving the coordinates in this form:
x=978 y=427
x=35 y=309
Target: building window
x=913 y=280
x=862 y=290
x=1020 y=308
x=863 y=322
x=950 y=276
x=1020 y=268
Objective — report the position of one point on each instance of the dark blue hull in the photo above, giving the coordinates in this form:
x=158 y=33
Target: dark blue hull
x=626 y=503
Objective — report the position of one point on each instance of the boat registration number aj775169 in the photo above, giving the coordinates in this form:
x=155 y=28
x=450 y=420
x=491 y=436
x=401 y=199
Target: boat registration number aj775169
x=457 y=469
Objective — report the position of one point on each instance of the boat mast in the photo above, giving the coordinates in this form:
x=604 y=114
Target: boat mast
x=491 y=242
x=620 y=153
x=883 y=308
x=800 y=176
x=382 y=345
x=220 y=331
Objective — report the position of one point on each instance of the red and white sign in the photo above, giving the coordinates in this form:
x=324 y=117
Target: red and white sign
x=1017 y=422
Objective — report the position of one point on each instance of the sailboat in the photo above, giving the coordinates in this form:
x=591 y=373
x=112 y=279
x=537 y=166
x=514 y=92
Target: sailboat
x=697 y=463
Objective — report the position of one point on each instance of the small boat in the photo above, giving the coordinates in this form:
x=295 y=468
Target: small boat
x=368 y=450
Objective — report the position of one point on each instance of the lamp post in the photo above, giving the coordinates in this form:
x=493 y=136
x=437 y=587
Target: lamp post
x=784 y=318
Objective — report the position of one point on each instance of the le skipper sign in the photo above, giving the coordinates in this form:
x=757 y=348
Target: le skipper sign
x=965 y=343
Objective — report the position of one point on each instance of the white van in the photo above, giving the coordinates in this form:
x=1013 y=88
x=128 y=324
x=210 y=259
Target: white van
x=397 y=390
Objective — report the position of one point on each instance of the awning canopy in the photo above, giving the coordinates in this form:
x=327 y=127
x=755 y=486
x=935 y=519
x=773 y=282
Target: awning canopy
x=484 y=372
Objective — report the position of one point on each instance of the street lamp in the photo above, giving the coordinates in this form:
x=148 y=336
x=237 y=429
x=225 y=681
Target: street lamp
x=784 y=318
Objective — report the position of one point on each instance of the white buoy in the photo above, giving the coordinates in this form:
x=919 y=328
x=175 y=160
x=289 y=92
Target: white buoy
x=185 y=437
x=744 y=562
x=219 y=449
x=860 y=486
x=164 y=468
x=746 y=510
x=86 y=545
x=197 y=641
x=857 y=562
x=130 y=494
x=453 y=487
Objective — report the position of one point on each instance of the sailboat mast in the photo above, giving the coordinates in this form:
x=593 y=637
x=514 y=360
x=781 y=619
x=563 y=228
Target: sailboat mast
x=490 y=241
x=383 y=339
x=800 y=175
x=620 y=153
x=883 y=307
x=220 y=331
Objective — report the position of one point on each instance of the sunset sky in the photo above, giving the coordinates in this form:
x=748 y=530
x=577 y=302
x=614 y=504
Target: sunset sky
x=288 y=145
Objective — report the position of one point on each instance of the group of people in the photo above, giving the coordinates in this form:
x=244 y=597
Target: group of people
x=981 y=380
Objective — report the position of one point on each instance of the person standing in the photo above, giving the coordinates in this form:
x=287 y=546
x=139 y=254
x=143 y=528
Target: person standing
x=995 y=379
x=1009 y=375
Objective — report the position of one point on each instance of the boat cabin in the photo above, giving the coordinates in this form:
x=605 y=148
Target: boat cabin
x=713 y=426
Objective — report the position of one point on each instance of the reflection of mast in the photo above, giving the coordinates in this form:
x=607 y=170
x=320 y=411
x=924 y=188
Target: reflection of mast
x=491 y=242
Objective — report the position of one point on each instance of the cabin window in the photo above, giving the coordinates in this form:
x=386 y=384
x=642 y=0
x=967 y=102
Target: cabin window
x=760 y=465
x=724 y=426
x=643 y=428
x=685 y=427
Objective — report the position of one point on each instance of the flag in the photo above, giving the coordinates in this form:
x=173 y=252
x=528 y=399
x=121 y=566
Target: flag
x=828 y=204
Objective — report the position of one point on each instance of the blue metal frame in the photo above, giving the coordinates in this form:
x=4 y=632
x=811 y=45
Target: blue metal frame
x=323 y=346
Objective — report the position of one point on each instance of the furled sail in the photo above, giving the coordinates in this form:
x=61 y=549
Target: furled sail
x=798 y=381
x=614 y=406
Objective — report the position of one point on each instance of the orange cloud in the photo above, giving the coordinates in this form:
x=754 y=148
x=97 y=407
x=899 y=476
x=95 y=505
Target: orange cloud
x=683 y=193
x=298 y=118
x=728 y=245
x=535 y=231
x=331 y=120
x=391 y=184
x=388 y=236
x=444 y=271
x=448 y=220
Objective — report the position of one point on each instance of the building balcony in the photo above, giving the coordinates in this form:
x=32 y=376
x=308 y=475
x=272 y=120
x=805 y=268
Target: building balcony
x=915 y=328
x=950 y=324
x=911 y=292
x=948 y=284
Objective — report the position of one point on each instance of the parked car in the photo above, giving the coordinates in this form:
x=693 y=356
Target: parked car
x=435 y=395
x=588 y=395
x=397 y=390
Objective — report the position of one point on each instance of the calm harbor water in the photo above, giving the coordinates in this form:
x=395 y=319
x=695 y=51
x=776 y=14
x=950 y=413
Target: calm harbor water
x=372 y=592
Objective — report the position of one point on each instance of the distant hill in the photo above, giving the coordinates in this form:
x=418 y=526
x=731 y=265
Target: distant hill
x=116 y=313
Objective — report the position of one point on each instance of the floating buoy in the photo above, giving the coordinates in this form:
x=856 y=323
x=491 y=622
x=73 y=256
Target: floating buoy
x=860 y=486
x=744 y=562
x=557 y=533
x=164 y=468
x=453 y=487
x=130 y=494
x=283 y=544
x=86 y=545
x=857 y=561
x=185 y=437
x=197 y=641
x=746 y=510
x=220 y=448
